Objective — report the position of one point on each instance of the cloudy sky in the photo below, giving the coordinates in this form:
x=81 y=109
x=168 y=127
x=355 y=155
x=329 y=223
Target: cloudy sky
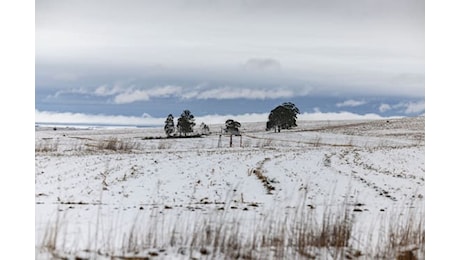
x=151 y=58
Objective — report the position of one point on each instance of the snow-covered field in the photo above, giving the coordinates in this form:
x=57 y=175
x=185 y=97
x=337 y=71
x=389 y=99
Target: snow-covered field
x=157 y=197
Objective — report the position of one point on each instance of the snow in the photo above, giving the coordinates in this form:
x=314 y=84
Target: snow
x=376 y=167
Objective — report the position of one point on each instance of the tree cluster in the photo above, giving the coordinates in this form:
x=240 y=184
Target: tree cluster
x=283 y=116
x=185 y=124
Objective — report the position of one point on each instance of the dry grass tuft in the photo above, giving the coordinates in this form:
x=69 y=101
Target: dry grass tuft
x=317 y=141
x=115 y=144
x=262 y=143
x=46 y=146
x=162 y=145
x=405 y=237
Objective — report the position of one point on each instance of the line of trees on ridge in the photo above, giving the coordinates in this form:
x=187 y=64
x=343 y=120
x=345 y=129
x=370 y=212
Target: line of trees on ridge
x=283 y=116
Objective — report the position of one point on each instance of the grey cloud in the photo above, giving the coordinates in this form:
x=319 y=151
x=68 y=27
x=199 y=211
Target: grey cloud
x=244 y=93
x=65 y=77
x=120 y=94
x=263 y=64
x=359 y=45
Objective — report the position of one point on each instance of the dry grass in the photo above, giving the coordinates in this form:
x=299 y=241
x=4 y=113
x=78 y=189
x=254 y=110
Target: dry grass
x=115 y=144
x=317 y=141
x=46 y=146
x=405 y=237
x=162 y=145
x=219 y=235
x=263 y=143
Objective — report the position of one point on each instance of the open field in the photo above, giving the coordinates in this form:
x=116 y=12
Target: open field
x=323 y=190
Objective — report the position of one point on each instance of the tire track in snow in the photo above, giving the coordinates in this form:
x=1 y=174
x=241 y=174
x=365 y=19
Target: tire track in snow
x=259 y=173
x=313 y=143
x=344 y=158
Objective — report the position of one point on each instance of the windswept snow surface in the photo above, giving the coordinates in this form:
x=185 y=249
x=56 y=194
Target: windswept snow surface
x=93 y=198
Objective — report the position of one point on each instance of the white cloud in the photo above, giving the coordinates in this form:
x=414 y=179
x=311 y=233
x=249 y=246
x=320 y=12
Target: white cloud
x=413 y=108
x=384 y=107
x=317 y=115
x=131 y=96
x=104 y=90
x=406 y=107
x=165 y=91
x=79 y=118
x=351 y=103
x=82 y=91
x=243 y=118
x=134 y=95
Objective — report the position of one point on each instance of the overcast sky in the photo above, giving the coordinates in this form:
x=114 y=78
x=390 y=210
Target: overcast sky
x=123 y=52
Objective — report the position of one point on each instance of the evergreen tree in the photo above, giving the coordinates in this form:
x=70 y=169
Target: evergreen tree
x=169 y=125
x=283 y=117
x=185 y=123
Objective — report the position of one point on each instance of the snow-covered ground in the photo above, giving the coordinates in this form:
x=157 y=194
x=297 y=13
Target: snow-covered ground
x=92 y=199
